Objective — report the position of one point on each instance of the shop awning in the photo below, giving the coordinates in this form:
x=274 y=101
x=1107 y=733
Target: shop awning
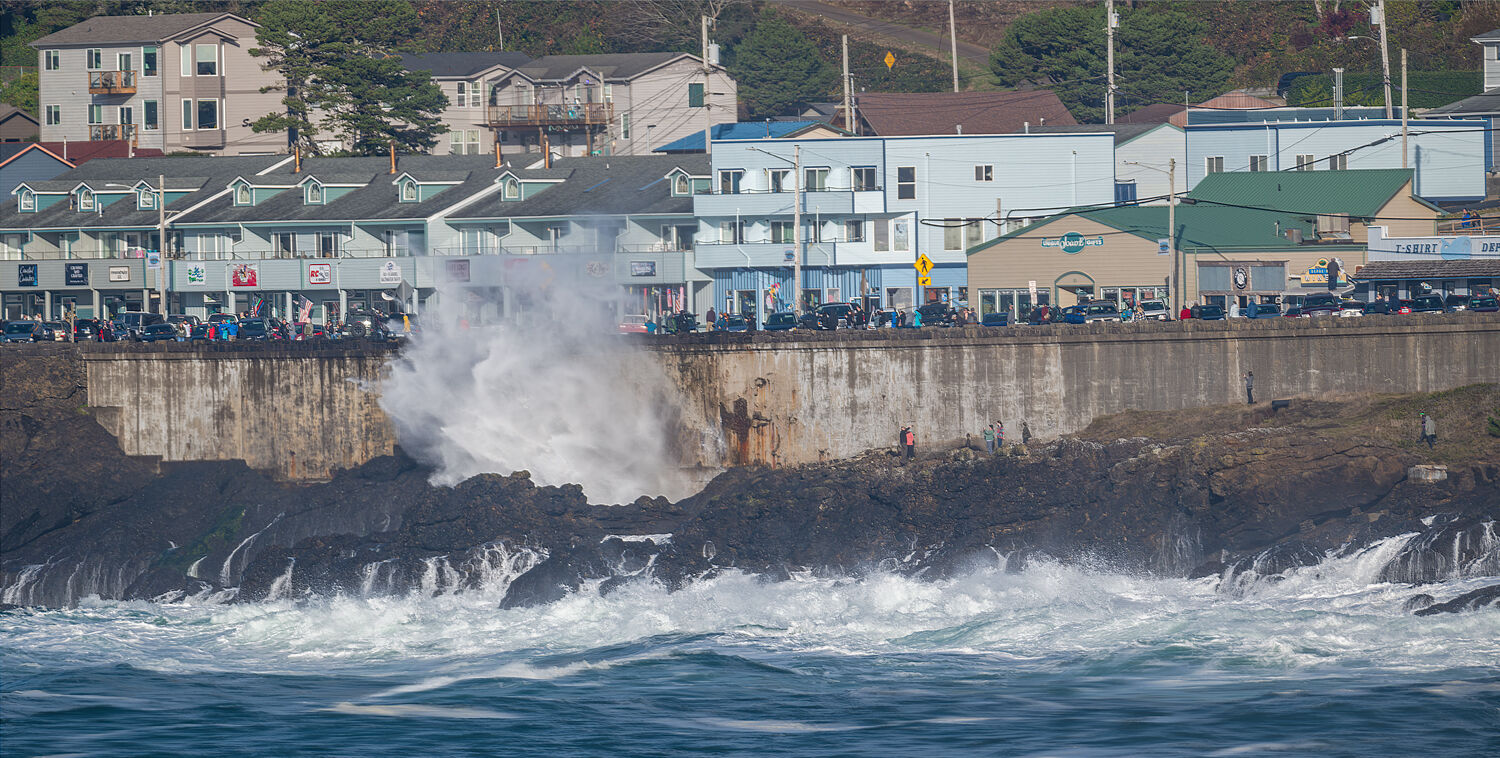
x=1429 y=269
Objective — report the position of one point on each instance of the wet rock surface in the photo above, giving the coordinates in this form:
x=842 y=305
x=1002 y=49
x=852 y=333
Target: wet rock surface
x=1469 y=601
x=82 y=519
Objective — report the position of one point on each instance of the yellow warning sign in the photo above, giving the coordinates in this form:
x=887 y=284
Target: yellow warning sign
x=890 y=59
x=925 y=281
x=923 y=264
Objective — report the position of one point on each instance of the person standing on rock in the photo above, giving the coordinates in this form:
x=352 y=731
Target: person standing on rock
x=909 y=439
x=989 y=439
x=999 y=436
x=1429 y=430
x=1250 y=387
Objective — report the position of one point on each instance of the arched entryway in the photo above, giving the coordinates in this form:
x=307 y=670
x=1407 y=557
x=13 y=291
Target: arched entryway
x=1073 y=288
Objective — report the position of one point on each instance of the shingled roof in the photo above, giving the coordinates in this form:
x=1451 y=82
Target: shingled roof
x=461 y=64
x=1123 y=132
x=102 y=30
x=610 y=186
x=889 y=114
x=614 y=66
x=1429 y=269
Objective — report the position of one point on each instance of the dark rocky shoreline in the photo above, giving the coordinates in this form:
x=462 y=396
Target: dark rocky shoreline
x=80 y=518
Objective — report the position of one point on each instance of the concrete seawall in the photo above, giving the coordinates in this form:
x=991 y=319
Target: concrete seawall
x=302 y=410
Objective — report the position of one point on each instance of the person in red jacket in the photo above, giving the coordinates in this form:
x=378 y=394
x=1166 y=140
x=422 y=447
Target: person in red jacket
x=1186 y=314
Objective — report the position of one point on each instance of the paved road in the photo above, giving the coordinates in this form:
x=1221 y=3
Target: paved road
x=968 y=52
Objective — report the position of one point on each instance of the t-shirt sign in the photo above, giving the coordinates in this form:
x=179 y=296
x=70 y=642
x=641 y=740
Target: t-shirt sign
x=76 y=274
x=26 y=275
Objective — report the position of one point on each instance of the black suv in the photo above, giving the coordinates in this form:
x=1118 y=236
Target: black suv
x=1427 y=304
x=937 y=313
x=834 y=315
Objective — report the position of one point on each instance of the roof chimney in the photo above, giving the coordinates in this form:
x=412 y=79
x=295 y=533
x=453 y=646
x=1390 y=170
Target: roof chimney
x=1026 y=127
x=393 y=156
x=296 y=159
x=959 y=127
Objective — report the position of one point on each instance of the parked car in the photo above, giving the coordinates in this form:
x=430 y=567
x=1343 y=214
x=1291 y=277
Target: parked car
x=1262 y=310
x=23 y=331
x=1428 y=304
x=257 y=329
x=781 y=321
x=220 y=318
x=1350 y=309
x=1294 y=312
x=836 y=315
x=184 y=323
x=88 y=330
x=57 y=331
x=1041 y=315
x=162 y=332
x=1321 y=304
x=733 y=322
x=632 y=324
x=1208 y=312
x=306 y=330
x=1484 y=304
x=1155 y=310
x=1386 y=308
x=936 y=313
x=135 y=321
x=1062 y=315
x=1094 y=312
x=995 y=318
x=198 y=333
x=1456 y=302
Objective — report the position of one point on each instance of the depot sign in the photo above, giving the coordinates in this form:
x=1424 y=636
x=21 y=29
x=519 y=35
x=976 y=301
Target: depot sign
x=1072 y=242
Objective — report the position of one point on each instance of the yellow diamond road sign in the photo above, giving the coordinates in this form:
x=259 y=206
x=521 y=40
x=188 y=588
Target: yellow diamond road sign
x=925 y=281
x=923 y=264
x=890 y=59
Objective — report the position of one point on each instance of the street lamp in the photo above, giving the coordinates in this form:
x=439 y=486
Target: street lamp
x=1171 y=172
x=1385 y=65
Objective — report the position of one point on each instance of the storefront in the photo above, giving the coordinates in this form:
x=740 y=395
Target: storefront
x=60 y=289
x=1235 y=284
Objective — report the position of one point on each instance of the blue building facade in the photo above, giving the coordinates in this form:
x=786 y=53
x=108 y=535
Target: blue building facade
x=873 y=206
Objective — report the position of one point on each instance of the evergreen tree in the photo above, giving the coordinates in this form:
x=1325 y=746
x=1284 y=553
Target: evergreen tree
x=1159 y=53
x=777 y=68
x=340 y=79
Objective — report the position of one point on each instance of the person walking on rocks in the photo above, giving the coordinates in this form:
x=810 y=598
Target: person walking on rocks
x=1429 y=430
x=1250 y=387
x=909 y=439
x=989 y=439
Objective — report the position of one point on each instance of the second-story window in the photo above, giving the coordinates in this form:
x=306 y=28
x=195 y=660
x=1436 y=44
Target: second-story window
x=95 y=58
x=124 y=62
x=815 y=179
x=1260 y=163
x=54 y=115
x=96 y=114
x=148 y=61
x=781 y=231
x=85 y=200
x=695 y=95
x=682 y=186
x=777 y=179
x=512 y=189
x=208 y=114
x=151 y=119
x=1213 y=164
x=53 y=60
x=242 y=195
x=984 y=173
x=906 y=183
x=28 y=201
x=146 y=200
x=408 y=192
x=729 y=181
x=208 y=60
x=1339 y=162
x=862 y=178
x=314 y=194
x=461 y=97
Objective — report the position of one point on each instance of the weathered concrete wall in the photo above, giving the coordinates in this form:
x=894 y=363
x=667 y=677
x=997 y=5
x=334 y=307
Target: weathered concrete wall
x=296 y=411
x=786 y=400
x=782 y=399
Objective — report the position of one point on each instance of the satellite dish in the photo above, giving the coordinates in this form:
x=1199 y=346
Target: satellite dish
x=387 y=296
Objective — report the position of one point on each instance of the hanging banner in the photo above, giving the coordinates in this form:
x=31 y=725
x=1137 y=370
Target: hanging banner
x=26 y=275
x=244 y=275
x=76 y=274
x=390 y=273
x=320 y=273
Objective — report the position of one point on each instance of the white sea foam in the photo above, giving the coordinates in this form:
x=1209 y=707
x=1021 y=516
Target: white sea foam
x=418 y=711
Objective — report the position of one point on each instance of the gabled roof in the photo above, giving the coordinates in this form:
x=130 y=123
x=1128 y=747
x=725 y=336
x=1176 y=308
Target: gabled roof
x=616 y=185
x=461 y=64
x=693 y=143
x=1486 y=104
x=1490 y=35
x=10 y=151
x=8 y=111
x=1360 y=193
x=1123 y=132
x=1155 y=113
x=910 y=114
x=101 y=30
x=79 y=153
x=609 y=66
x=337 y=180
x=1199 y=227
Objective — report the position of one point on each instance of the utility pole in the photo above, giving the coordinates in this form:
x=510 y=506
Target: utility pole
x=1385 y=54
x=1109 y=87
x=499 y=31
x=1172 y=235
x=953 y=44
x=848 y=101
x=161 y=242
x=1403 y=108
x=796 y=228
x=708 y=122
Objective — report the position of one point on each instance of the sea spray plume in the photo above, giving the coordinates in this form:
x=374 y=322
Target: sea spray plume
x=553 y=391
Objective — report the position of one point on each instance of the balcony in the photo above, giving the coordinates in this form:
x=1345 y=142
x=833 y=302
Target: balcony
x=577 y=114
x=763 y=255
x=98 y=132
x=111 y=82
x=757 y=204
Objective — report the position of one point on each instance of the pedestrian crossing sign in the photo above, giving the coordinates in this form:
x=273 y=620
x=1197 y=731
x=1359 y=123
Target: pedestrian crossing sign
x=925 y=281
x=923 y=264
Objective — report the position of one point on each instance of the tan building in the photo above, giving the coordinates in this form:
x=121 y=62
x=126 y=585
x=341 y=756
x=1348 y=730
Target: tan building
x=1241 y=237
x=179 y=83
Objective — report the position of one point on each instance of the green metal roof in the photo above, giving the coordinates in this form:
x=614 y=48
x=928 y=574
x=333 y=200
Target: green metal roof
x=1357 y=193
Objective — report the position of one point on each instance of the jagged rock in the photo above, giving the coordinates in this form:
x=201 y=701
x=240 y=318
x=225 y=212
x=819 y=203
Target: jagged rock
x=1418 y=602
x=1469 y=601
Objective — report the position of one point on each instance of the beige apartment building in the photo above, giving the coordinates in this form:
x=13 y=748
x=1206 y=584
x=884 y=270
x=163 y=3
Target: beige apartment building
x=608 y=104
x=178 y=82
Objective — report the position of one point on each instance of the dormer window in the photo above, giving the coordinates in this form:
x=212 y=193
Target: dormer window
x=242 y=195
x=146 y=200
x=314 y=194
x=85 y=200
x=408 y=191
x=682 y=186
x=512 y=189
x=28 y=201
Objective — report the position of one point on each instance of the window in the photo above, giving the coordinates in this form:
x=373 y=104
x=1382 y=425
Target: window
x=54 y=115
x=609 y=93
x=695 y=95
x=729 y=181
x=328 y=245
x=314 y=195
x=475 y=241
x=1306 y=162
x=882 y=236
x=1260 y=163
x=242 y=195
x=1338 y=162
x=953 y=233
x=284 y=244
x=781 y=231
x=815 y=179
x=1213 y=164
x=900 y=236
x=408 y=191
x=150 y=117
x=776 y=179
x=123 y=62
x=624 y=126
x=682 y=185
x=186 y=55
x=862 y=178
x=731 y=232
x=187 y=115
x=461 y=96
x=85 y=199
x=126 y=116
x=854 y=230
x=146 y=200
x=512 y=189
x=463 y=142
x=906 y=183
x=208 y=114
x=456 y=142
x=984 y=173
x=208 y=60
x=148 y=61
x=94 y=57
x=28 y=200
x=974 y=232
x=53 y=60
x=471 y=138
x=96 y=114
